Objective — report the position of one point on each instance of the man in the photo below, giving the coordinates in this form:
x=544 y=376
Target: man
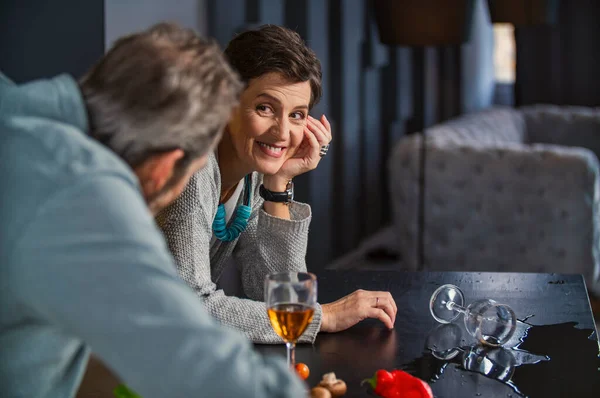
x=83 y=266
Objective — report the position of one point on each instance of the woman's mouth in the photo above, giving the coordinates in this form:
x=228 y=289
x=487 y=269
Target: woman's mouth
x=271 y=150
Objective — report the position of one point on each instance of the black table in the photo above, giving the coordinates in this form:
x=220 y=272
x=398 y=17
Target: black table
x=562 y=329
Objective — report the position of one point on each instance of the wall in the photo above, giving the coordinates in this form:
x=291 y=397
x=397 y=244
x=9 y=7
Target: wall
x=126 y=16
x=478 y=78
x=373 y=94
x=44 y=38
x=559 y=64
x=40 y=38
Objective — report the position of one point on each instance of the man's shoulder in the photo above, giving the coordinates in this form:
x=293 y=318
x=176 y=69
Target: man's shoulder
x=47 y=150
x=42 y=159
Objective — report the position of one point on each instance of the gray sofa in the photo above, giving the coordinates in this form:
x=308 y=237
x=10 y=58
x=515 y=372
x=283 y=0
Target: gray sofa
x=502 y=189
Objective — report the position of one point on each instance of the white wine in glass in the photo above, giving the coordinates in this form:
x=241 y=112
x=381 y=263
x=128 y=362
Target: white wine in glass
x=291 y=298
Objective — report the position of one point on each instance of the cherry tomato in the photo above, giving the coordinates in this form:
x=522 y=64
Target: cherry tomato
x=302 y=370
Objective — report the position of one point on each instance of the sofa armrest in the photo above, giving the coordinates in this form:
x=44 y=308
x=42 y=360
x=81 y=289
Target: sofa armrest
x=574 y=126
x=516 y=208
x=496 y=125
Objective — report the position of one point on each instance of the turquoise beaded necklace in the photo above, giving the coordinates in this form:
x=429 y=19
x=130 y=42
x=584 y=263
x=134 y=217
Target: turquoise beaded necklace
x=240 y=217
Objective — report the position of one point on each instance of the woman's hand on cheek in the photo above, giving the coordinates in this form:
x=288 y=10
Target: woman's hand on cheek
x=316 y=134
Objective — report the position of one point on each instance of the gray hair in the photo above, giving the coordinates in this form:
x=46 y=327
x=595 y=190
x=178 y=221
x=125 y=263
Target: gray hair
x=158 y=90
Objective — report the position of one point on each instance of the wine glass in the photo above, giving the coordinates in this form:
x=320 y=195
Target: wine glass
x=489 y=322
x=291 y=298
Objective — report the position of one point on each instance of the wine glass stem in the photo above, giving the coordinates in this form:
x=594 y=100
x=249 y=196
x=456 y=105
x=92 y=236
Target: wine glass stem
x=291 y=354
x=455 y=307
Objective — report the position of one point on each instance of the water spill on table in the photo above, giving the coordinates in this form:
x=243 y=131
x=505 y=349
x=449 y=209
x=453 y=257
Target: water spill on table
x=544 y=361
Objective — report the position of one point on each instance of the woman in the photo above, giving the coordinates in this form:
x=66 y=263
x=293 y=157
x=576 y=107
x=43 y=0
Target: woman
x=239 y=209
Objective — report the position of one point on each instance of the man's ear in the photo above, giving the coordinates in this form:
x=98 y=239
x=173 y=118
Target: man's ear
x=156 y=171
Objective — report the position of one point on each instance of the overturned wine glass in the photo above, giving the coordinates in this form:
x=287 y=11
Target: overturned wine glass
x=491 y=323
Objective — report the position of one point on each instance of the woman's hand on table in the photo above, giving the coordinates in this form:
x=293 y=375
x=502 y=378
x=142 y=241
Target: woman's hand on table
x=357 y=306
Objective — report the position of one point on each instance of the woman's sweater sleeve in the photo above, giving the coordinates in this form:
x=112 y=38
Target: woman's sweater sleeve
x=271 y=244
x=187 y=226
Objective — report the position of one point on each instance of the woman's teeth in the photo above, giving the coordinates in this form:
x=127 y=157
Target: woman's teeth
x=271 y=148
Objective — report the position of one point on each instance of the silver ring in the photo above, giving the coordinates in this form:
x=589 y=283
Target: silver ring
x=324 y=149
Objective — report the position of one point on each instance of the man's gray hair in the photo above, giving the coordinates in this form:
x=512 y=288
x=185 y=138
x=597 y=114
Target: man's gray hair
x=158 y=90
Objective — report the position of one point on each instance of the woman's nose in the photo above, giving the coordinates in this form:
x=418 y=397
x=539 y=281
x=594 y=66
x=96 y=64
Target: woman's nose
x=283 y=129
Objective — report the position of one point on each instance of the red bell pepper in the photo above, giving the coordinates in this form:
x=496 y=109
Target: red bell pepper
x=399 y=384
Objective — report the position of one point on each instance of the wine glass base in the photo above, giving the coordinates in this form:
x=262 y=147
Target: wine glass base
x=438 y=304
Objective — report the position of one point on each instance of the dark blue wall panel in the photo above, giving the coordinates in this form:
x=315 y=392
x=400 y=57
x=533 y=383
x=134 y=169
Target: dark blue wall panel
x=271 y=11
x=375 y=59
x=348 y=145
x=320 y=181
x=41 y=38
x=559 y=64
x=226 y=18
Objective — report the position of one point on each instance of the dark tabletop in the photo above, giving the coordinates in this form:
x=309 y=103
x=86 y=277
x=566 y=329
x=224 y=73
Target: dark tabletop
x=561 y=327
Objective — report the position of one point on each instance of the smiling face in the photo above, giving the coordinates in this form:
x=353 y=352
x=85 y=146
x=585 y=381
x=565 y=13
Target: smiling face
x=267 y=127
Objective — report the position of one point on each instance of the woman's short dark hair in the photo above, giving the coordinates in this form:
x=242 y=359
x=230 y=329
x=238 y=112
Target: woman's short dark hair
x=272 y=48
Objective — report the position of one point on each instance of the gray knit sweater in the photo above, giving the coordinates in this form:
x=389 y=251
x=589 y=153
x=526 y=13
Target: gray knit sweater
x=269 y=244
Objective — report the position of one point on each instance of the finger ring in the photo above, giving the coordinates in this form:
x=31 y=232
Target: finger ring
x=377 y=303
x=324 y=150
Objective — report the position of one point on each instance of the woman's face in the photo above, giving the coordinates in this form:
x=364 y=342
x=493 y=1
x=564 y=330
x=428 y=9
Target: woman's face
x=267 y=127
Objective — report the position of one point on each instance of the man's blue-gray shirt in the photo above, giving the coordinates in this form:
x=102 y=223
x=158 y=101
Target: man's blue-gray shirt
x=83 y=267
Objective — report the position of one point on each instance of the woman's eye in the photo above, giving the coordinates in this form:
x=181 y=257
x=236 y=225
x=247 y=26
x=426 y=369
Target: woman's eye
x=298 y=116
x=263 y=108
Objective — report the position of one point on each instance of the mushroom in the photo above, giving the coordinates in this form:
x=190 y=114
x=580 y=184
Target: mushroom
x=336 y=387
x=320 y=392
